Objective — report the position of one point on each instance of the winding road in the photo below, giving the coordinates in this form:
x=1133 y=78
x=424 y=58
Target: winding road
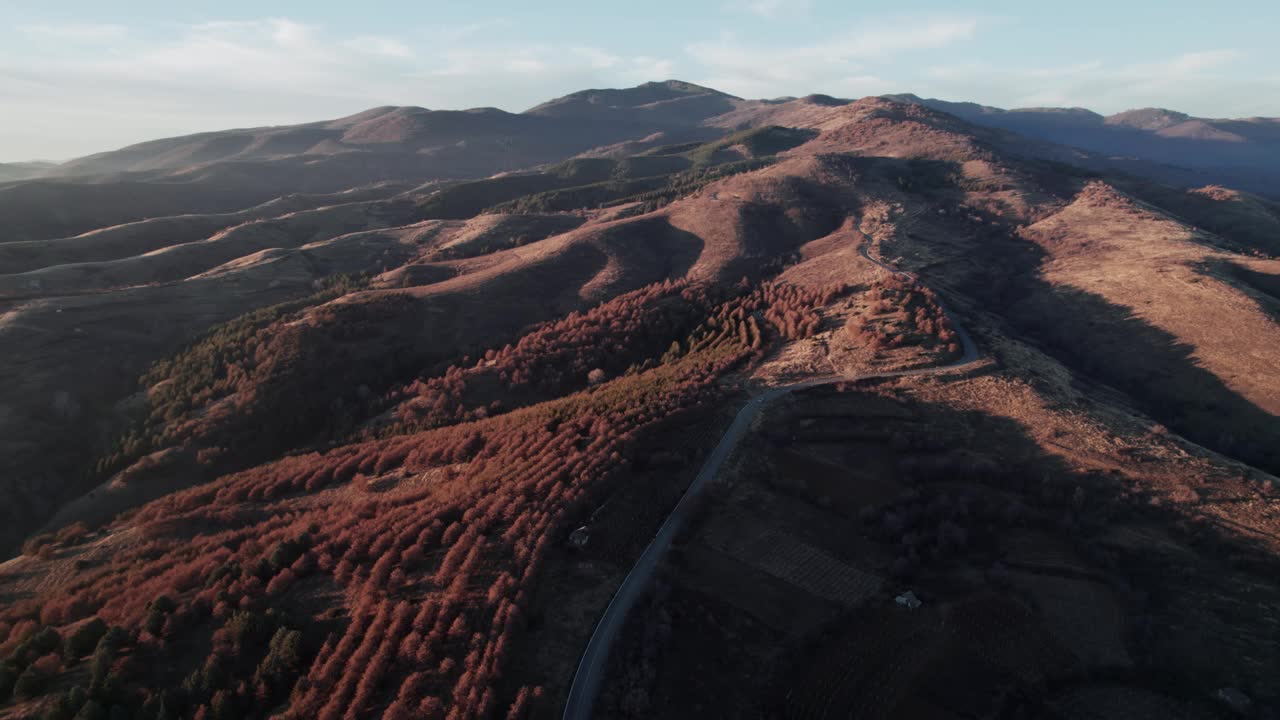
x=594 y=662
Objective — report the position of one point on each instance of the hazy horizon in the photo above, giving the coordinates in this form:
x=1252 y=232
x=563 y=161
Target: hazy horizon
x=81 y=78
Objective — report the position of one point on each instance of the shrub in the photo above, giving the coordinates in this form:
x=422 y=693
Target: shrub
x=33 y=681
x=72 y=534
x=84 y=639
x=284 y=553
x=44 y=641
x=280 y=583
x=60 y=709
x=92 y=710
x=154 y=623
x=470 y=544
x=8 y=676
x=38 y=544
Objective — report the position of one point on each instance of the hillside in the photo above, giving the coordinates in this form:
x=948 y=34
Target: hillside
x=388 y=446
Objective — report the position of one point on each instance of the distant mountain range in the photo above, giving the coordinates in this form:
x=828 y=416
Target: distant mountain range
x=491 y=139
x=25 y=170
x=1241 y=152
x=414 y=143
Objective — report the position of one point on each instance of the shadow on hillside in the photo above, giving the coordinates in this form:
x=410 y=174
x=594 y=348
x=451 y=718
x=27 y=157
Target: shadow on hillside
x=911 y=483
x=1091 y=511
x=11 y=593
x=788 y=213
x=1243 y=223
x=1097 y=338
x=1262 y=283
x=646 y=251
x=1111 y=344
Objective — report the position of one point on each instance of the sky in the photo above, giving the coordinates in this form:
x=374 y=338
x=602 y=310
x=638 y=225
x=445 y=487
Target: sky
x=80 y=76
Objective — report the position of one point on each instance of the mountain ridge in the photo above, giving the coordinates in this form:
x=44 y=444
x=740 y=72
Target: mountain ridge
x=1166 y=144
x=385 y=451
x=1243 y=152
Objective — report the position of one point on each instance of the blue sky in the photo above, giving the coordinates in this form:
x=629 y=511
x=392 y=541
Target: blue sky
x=79 y=77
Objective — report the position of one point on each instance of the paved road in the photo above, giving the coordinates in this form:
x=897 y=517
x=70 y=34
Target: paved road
x=594 y=662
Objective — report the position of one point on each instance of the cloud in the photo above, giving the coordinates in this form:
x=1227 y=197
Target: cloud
x=1065 y=71
x=377 y=45
x=595 y=57
x=643 y=68
x=236 y=73
x=593 y=65
x=298 y=58
x=750 y=70
x=75 y=32
x=230 y=54
x=954 y=70
x=1204 y=60
x=83 y=87
x=770 y=9
x=1201 y=82
x=862 y=85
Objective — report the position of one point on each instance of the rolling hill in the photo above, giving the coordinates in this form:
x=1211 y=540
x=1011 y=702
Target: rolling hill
x=371 y=417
